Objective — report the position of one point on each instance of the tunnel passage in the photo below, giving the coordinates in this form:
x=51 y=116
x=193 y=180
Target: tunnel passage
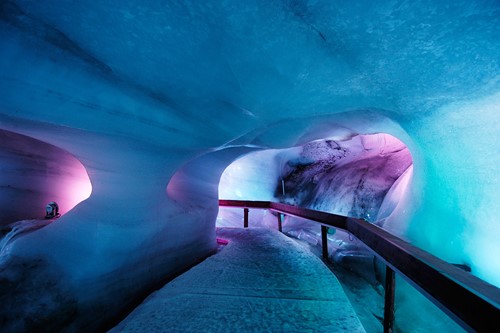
x=34 y=173
x=362 y=176
x=359 y=175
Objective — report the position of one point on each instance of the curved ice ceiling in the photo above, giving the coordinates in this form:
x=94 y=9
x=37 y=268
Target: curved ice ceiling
x=138 y=89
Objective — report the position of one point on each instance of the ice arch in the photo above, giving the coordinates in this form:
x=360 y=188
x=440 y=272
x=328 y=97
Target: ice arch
x=349 y=177
x=197 y=184
x=33 y=173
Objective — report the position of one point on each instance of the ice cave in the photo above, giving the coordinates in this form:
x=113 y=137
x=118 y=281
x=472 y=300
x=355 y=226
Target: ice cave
x=136 y=117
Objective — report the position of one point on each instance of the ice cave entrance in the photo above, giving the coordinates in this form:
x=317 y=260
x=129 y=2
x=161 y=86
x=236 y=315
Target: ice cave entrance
x=362 y=176
x=35 y=173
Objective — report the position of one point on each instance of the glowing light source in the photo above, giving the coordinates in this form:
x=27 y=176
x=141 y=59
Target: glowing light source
x=35 y=173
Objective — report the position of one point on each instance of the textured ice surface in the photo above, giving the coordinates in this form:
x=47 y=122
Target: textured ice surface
x=9 y=232
x=55 y=307
x=139 y=90
x=261 y=281
x=349 y=177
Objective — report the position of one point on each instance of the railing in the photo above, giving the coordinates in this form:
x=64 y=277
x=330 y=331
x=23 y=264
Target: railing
x=470 y=301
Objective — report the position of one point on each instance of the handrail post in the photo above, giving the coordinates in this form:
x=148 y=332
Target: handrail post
x=390 y=288
x=245 y=218
x=280 y=225
x=324 y=241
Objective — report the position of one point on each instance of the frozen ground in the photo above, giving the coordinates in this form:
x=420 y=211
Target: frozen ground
x=262 y=281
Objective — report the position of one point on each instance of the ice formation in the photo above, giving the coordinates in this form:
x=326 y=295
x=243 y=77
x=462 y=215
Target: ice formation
x=155 y=99
x=363 y=176
x=34 y=173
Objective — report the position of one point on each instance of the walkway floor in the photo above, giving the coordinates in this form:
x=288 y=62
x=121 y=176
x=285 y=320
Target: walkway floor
x=262 y=281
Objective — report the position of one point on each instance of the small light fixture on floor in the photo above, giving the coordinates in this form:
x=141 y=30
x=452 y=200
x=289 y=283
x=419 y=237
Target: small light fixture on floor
x=52 y=210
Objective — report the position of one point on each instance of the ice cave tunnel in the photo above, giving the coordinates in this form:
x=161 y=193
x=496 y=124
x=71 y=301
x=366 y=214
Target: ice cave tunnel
x=136 y=117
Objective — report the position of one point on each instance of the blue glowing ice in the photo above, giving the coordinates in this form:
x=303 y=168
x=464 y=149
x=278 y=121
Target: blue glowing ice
x=142 y=93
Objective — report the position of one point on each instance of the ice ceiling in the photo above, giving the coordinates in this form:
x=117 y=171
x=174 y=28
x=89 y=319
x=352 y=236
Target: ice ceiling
x=140 y=91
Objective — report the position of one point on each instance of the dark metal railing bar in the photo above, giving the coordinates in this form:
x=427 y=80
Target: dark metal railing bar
x=328 y=219
x=470 y=301
x=280 y=222
x=245 y=203
x=390 y=292
x=245 y=217
x=324 y=241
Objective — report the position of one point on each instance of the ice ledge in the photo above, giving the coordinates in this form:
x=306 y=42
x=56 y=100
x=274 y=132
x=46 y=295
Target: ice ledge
x=261 y=281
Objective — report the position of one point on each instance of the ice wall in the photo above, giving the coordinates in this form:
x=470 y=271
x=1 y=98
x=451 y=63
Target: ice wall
x=349 y=177
x=137 y=91
x=32 y=174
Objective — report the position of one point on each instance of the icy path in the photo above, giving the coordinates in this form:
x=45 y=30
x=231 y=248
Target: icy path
x=262 y=281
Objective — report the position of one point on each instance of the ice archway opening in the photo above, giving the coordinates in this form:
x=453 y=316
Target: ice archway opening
x=356 y=176
x=366 y=176
x=316 y=164
x=344 y=163
x=362 y=176
x=34 y=173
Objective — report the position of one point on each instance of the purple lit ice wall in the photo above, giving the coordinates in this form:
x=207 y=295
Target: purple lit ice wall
x=34 y=173
x=350 y=177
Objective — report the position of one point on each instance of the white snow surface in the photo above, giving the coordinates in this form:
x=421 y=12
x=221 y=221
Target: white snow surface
x=156 y=98
x=262 y=281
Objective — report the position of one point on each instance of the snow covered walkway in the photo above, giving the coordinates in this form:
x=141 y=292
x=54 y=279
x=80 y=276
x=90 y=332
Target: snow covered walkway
x=262 y=281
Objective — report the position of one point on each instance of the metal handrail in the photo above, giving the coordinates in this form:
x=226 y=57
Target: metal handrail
x=470 y=301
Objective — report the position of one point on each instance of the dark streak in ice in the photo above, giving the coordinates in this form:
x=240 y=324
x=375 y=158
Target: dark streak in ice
x=12 y=14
